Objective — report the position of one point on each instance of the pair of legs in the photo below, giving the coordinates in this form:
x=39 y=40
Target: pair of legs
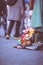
x=17 y=28
x=3 y=22
x=5 y=25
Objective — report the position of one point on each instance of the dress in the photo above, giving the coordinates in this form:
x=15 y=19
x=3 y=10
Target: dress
x=14 y=12
x=36 y=16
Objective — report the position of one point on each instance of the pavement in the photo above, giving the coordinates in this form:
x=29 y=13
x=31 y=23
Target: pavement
x=14 y=56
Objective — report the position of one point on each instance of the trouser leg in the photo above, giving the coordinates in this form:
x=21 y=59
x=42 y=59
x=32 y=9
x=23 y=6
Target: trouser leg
x=3 y=21
x=17 y=29
x=10 y=27
x=5 y=28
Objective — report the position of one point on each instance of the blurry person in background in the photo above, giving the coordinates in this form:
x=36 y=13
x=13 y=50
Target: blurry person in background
x=3 y=15
x=31 y=4
x=36 y=21
x=14 y=15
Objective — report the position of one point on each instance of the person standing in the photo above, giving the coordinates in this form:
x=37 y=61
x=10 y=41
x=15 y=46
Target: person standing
x=36 y=15
x=14 y=15
x=3 y=14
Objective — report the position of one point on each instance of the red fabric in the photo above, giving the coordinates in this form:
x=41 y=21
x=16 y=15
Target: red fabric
x=32 y=3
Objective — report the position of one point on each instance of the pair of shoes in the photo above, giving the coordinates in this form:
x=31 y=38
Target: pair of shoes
x=7 y=36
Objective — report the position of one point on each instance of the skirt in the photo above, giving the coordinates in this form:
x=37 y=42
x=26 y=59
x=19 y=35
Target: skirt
x=36 y=15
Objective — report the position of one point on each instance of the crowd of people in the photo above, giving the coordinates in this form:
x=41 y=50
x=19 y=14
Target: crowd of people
x=14 y=14
x=21 y=9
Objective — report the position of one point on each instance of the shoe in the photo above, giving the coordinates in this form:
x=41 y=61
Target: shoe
x=15 y=47
x=7 y=36
x=16 y=38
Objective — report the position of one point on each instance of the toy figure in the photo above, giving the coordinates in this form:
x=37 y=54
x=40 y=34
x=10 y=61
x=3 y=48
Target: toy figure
x=26 y=38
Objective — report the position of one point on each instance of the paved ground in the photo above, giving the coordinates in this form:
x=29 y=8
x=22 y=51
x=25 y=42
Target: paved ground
x=13 y=56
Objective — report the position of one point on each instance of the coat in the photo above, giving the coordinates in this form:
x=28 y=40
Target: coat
x=14 y=12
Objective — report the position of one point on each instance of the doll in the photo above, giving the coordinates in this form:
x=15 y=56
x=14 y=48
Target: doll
x=26 y=38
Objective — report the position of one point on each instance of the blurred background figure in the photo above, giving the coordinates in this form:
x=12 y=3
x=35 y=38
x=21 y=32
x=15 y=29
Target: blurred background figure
x=3 y=15
x=36 y=16
x=15 y=14
x=31 y=4
x=28 y=13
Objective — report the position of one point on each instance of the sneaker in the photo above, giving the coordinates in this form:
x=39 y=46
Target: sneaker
x=7 y=36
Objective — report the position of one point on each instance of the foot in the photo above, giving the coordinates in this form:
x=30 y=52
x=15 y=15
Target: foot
x=17 y=37
x=19 y=47
x=7 y=36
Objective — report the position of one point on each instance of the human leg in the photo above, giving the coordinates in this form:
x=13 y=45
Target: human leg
x=17 y=29
x=10 y=28
x=5 y=25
